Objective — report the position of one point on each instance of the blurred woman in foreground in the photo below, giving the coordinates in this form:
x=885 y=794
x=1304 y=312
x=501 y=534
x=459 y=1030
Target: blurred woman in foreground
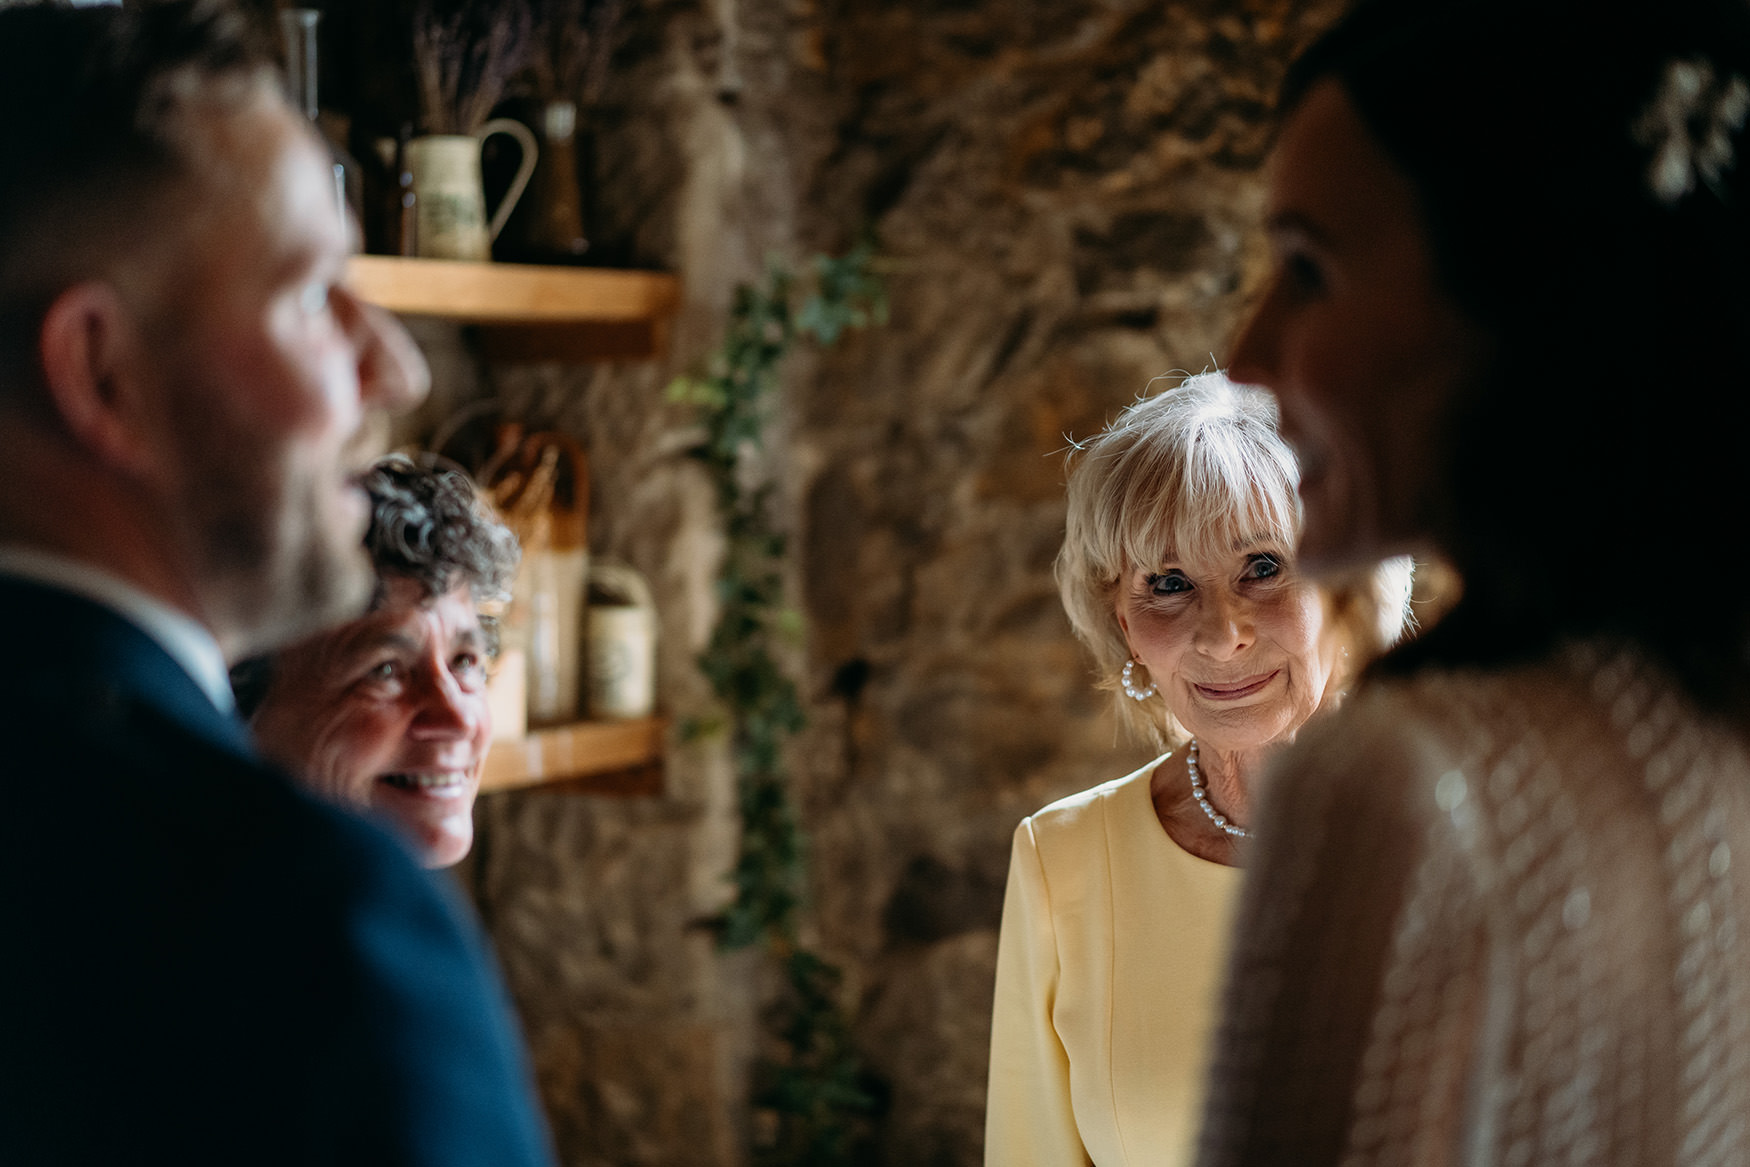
x=1497 y=912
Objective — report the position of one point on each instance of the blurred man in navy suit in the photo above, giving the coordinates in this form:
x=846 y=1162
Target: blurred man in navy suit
x=202 y=964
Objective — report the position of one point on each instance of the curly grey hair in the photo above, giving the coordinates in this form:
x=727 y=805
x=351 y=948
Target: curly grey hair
x=430 y=525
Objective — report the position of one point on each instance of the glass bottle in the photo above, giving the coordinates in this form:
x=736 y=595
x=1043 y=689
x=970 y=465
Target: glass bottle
x=549 y=223
x=389 y=197
x=298 y=34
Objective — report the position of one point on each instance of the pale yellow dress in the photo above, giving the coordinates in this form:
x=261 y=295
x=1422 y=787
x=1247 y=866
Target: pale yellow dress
x=1112 y=948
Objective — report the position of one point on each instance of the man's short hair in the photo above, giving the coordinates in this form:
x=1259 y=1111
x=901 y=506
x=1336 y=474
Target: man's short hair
x=430 y=525
x=95 y=130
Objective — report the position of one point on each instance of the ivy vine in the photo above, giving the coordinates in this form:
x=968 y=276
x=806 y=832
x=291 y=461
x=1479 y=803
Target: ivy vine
x=813 y=1088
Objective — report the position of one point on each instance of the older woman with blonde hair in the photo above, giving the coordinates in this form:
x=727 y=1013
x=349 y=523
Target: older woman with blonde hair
x=1178 y=571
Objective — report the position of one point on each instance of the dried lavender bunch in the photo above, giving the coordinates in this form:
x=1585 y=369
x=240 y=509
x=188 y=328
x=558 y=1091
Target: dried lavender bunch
x=574 y=42
x=464 y=69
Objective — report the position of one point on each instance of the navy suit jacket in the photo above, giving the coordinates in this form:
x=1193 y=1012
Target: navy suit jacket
x=202 y=964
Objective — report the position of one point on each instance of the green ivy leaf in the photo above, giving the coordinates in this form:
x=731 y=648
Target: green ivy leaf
x=814 y=1085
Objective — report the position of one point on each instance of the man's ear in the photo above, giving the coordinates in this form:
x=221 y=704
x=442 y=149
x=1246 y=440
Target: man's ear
x=92 y=363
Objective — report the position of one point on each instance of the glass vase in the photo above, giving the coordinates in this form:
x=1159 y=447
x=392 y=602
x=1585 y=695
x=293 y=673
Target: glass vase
x=299 y=39
x=548 y=225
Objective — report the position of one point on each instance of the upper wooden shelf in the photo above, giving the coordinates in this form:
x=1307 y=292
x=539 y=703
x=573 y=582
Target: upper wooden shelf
x=599 y=757
x=535 y=312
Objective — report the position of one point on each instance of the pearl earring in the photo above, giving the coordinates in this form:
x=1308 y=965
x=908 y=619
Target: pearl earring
x=1128 y=680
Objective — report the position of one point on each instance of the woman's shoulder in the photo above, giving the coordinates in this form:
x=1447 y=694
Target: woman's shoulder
x=1582 y=679
x=1087 y=809
x=1408 y=733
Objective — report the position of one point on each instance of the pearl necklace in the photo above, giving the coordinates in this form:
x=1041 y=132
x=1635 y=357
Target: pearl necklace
x=1202 y=796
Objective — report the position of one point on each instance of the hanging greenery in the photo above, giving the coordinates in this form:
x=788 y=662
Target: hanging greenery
x=813 y=1089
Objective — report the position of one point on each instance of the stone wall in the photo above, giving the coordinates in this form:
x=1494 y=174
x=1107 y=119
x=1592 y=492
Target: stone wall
x=1068 y=194
x=1065 y=192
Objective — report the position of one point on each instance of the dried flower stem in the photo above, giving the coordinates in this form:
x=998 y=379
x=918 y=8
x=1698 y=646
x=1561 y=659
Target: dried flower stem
x=574 y=43
x=463 y=76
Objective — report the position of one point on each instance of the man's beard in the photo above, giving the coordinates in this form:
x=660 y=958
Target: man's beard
x=271 y=561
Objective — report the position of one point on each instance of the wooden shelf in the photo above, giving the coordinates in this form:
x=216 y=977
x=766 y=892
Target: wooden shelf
x=512 y=293
x=608 y=757
x=532 y=311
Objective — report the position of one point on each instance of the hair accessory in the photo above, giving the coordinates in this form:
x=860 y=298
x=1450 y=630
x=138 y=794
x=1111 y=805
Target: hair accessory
x=1128 y=679
x=1688 y=125
x=1202 y=796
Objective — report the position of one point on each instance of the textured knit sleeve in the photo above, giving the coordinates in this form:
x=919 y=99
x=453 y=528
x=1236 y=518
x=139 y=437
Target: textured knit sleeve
x=1351 y=1007
x=1028 y=1119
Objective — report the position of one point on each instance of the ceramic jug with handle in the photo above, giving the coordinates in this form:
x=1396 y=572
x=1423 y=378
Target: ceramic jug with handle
x=450 y=219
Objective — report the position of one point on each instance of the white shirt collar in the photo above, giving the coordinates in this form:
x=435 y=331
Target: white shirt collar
x=186 y=640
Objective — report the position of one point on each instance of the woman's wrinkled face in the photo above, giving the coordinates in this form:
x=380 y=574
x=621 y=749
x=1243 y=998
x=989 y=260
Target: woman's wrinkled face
x=388 y=715
x=1236 y=641
x=1354 y=335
